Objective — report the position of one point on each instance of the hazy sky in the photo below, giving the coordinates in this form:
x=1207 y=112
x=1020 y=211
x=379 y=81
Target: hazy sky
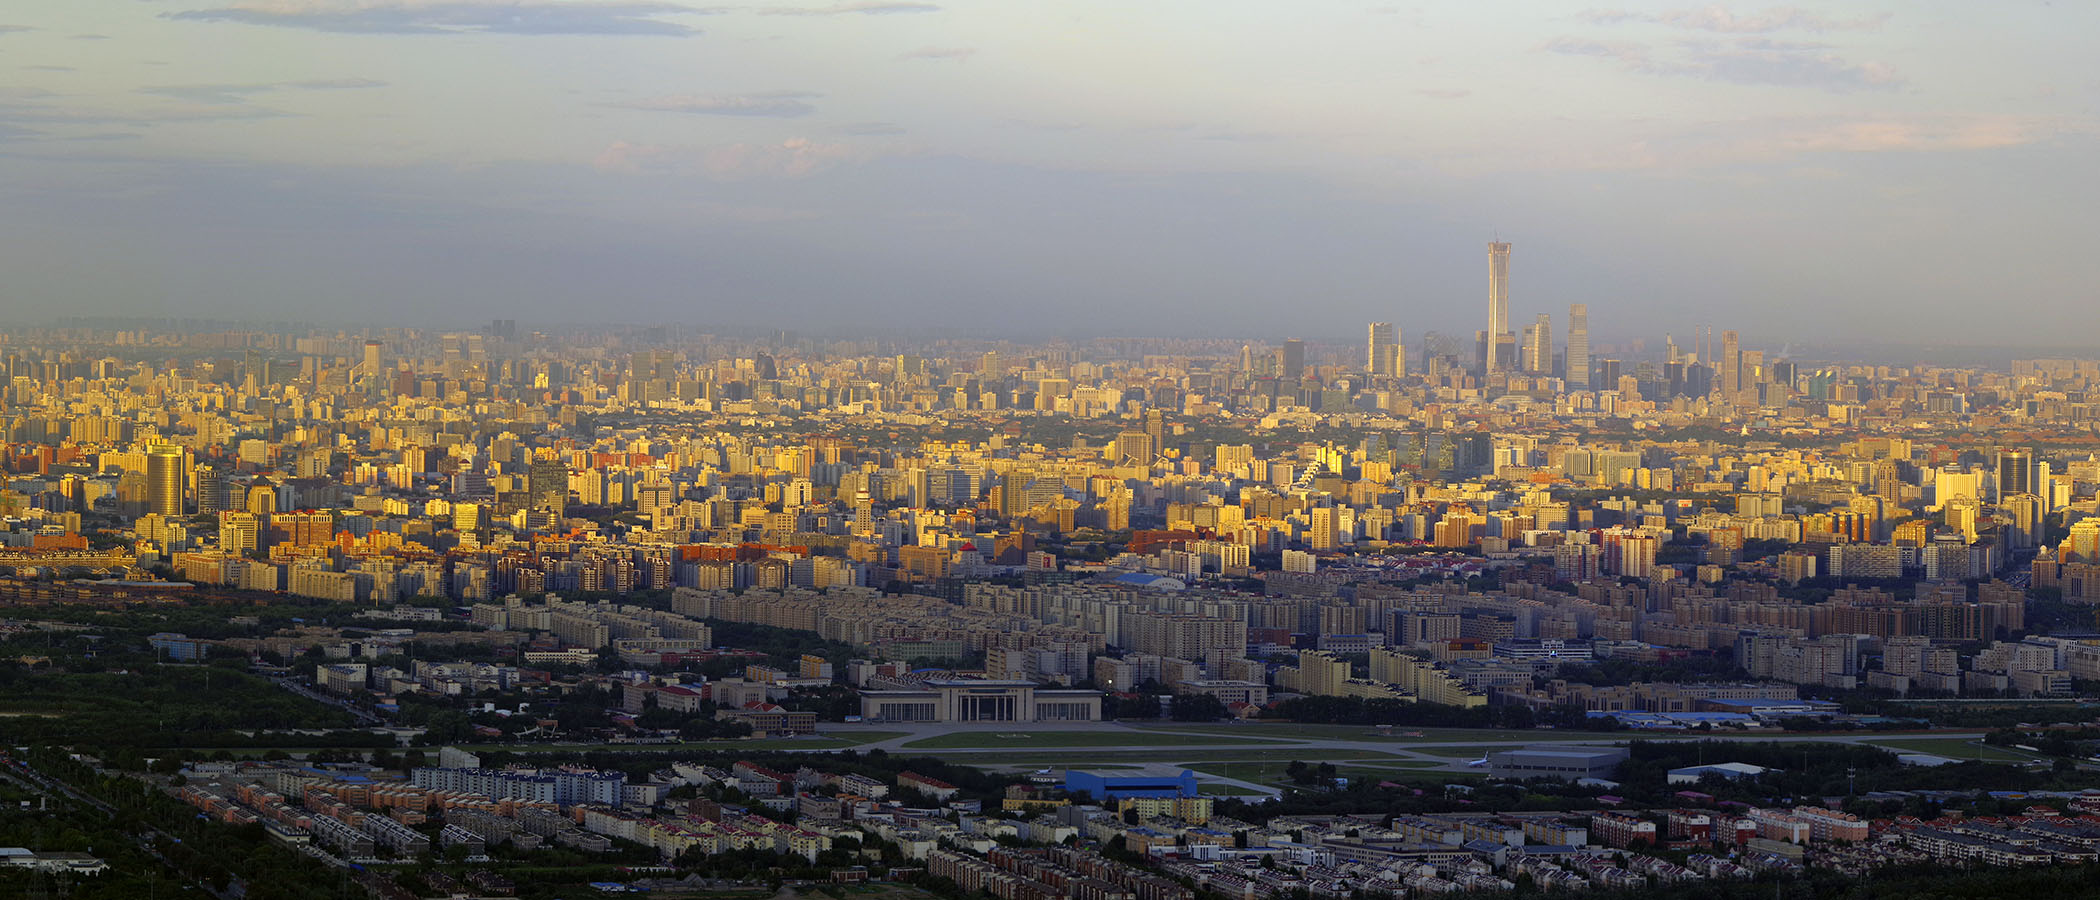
x=1908 y=170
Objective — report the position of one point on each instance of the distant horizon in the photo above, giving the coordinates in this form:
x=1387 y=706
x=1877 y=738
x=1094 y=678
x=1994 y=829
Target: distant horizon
x=1604 y=344
x=1899 y=172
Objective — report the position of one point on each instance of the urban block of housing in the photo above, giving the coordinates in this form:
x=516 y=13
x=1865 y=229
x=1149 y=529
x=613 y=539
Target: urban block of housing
x=1830 y=524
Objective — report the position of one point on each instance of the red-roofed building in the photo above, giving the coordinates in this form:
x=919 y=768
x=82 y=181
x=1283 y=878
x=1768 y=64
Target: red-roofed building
x=680 y=699
x=928 y=785
x=768 y=719
x=759 y=781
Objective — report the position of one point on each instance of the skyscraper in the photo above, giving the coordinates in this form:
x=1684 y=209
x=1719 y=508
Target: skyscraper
x=1292 y=359
x=211 y=491
x=2015 y=473
x=1579 y=347
x=1136 y=448
x=164 y=480
x=371 y=363
x=1498 y=306
x=1731 y=366
x=1538 y=352
x=547 y=485
x=1378 y=352
x=1325 y=522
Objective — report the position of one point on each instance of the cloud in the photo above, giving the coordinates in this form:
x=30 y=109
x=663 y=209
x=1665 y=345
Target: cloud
x=51 y=68
x=336 y=84
x=226 y=94
x=1755 y=61
x=793 y=158
x=599 y=17
x=30 y=105
x=954 y=54
x=772 y=104
x=1444 y=93
x=184 y=104
x=1786 y=140
x=1719 y=19
x=1758 y=149
x=863 y=7
x=870 y=129
x=11 y=29
x=1624 y=51
x=1918 y=134
x=1741 y=60
x=231 y=94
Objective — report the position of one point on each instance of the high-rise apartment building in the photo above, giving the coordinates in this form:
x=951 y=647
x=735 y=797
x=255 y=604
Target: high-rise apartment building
x=1578 y=376
x=2022 y=514
x=1135 y=448
x=1321 y=535
x=166 y=475
x=2083 y=542
x=1291 y=359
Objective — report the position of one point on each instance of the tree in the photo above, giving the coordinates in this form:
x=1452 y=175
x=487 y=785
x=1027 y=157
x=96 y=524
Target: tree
x=1199 y=708
x=1134 y=706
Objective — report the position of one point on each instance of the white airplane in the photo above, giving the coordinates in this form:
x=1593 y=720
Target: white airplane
x=1478 y=763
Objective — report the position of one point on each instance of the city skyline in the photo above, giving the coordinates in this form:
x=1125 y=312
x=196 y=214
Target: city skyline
x=670 y=541
x=1330 y=346
x=994 y=450
x=1847 y=170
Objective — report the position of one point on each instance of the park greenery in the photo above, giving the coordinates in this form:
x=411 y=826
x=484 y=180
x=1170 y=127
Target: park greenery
x=164 y=707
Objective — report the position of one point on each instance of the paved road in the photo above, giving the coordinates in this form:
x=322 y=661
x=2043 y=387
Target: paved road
x=1254 y=742
x=364 y=716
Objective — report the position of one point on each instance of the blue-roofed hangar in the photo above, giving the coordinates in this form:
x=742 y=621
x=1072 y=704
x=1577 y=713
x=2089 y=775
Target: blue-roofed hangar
x=1106 y=786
